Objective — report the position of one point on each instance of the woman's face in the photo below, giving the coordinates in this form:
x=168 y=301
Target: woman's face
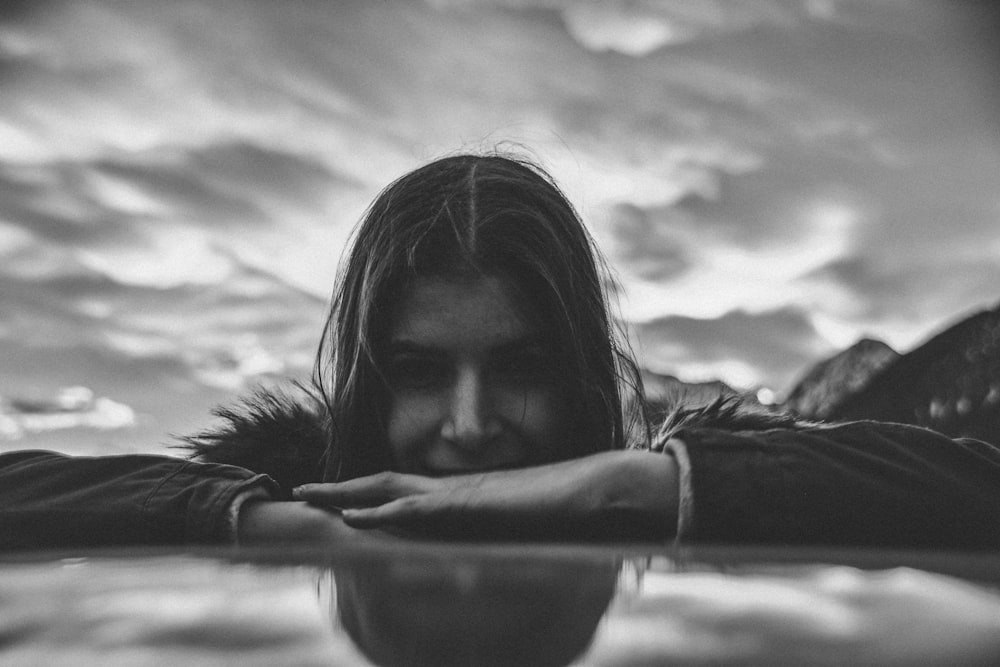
x=470 y=383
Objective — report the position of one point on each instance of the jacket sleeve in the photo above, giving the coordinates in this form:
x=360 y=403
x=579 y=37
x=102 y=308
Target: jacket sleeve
x=857 y=483
x=49 y=500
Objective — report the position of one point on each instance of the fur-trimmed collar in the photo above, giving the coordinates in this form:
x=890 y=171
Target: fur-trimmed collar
x=281 y=432
x=728 y=413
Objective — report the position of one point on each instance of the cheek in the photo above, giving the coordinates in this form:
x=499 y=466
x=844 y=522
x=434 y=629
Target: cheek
x=539 y=418
x=412 y=419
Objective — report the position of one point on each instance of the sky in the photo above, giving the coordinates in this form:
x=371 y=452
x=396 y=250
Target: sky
x=771 y=180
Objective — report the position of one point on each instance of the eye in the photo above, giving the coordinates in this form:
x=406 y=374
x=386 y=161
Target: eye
x=417 y=371
x=523 y=365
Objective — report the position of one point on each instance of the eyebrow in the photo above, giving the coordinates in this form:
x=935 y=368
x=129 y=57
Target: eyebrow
x=409 y=346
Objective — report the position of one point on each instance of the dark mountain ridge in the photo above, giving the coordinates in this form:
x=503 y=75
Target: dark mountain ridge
x=832 y=381
x=951 y=383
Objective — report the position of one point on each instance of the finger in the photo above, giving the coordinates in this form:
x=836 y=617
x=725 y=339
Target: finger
x=431 y=515
x=361 y=492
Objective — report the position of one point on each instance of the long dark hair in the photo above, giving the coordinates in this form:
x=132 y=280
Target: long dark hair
x=462 y=215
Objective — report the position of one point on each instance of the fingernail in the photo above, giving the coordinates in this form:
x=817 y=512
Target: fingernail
x=298 y=491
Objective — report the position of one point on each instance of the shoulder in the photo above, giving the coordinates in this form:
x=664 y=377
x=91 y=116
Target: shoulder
x=725 y=414
x=281 y=432
x=730 y=423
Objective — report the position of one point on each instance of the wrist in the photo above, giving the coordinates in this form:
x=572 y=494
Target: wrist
x=649 y=493
x=263 y=522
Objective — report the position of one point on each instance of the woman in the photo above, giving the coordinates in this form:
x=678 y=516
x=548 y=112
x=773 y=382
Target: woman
x=470 y=384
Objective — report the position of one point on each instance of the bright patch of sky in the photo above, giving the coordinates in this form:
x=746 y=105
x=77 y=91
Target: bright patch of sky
x=166 y=259
x=73 y=407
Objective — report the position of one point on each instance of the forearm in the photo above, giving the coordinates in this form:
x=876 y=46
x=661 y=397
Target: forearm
x=270 y=523
x=853 y=484
x=617 y=495
x=625 y=495
x=642 y=501
x=49 y=500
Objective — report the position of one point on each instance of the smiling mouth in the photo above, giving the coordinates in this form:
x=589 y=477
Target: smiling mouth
x=445 y=460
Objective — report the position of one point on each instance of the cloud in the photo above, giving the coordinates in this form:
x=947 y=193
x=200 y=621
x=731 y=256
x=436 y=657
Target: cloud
x=160 y=391
x=921 y=221
x=169 y=216
x=169 y=353
x=73 y=407
x=87 y=307
x=16 y=9
x=647 y=249
x=742 y=349
x=745 y=248
x=639 y=28
x=897 y=294
x=607 y=27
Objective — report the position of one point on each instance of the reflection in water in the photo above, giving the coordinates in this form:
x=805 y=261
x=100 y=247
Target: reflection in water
x=448 y=604
x=473 y=611
x=808 y=614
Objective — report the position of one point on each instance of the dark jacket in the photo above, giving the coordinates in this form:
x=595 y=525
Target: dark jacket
x=50 y=500
x=746 y=478
x=858 y=484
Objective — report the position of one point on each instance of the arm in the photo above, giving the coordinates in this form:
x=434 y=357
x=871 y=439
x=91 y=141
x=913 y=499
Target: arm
x=267 y=523
x=50 y=500
x=854 y=484
x=624 y=495
x=857 y=484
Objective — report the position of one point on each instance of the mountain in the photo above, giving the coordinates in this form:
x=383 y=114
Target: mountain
x=951 y=383
x=829 y=383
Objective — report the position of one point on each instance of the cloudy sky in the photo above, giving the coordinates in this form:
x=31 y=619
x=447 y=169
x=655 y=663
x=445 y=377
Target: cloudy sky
x=771 y=179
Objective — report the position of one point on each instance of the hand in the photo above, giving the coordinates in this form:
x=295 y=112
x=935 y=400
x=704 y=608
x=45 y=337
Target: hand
x=619 y=495
x=279 y=522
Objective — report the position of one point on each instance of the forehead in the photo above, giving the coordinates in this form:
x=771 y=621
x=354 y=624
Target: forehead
x=440 y=312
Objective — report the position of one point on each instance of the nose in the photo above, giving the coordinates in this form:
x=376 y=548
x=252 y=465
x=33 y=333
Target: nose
x=471 y=421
